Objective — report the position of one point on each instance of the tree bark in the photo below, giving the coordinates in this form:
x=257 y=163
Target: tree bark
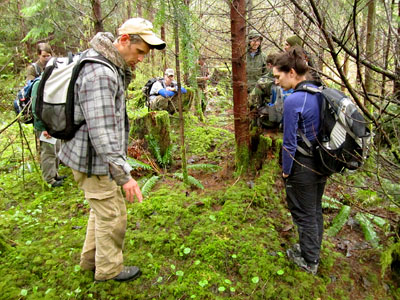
x=370 y=45
x=387 y=46
x=128 y=10
x=139 y=8
x=249 y=6
x=181 y=120
x=164 y=51
x=297 y=18
x=240 y=109
x=98 y=22
x=345 y=69
x=396 y=88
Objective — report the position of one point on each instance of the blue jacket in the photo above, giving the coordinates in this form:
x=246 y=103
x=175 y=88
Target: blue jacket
x=301 y=110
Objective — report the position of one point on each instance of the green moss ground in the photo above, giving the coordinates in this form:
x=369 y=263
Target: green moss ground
x=224 y=242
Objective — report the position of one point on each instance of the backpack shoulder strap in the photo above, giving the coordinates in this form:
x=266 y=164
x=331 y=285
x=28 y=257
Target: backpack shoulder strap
x=308 y=88
x=97 y=59
x=162 y=83
x=307 y=142
x=37 y=69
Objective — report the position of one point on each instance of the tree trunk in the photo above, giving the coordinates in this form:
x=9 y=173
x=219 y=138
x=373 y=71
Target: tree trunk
x=98 y=22
x=321 y=53
x=370 y=45
x=297 y=19
x=396 y=89
x=164 y=51
x=345 y=68
x=128 y=10
x=240 y=109
x=181 y=120
x=249 y=6
x=386 y=47
x=24 y=32
x=139 y=9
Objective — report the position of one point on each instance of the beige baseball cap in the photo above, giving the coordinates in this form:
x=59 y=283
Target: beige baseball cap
x=143 y=28
x=169 y=72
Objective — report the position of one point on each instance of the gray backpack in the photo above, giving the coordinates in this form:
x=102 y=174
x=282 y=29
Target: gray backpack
x=55 y=98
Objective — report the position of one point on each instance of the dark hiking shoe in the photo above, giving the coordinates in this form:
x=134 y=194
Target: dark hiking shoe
x=127 y=274
x=57 y=183
x=301 y=262
x=60 y=177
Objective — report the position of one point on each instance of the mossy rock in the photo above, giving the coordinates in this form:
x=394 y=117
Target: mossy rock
x=155 y=124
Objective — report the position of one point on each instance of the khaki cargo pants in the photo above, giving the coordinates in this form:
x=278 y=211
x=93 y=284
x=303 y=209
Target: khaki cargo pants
x=169 y=104
x=102 y=250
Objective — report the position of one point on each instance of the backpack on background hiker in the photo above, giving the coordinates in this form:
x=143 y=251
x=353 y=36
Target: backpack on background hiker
x=55 y=98
x=147 y=88
x=343 y=139
x=270 y=115
x=23 y=100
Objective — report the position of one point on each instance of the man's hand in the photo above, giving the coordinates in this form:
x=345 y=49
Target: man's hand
x=284 y=176
x=131 y=189
x=46 y=134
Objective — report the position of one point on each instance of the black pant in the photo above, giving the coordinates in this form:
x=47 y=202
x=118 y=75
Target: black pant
x=304 y=190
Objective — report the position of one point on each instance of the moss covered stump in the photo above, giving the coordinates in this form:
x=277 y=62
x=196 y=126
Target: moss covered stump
x=153 y=126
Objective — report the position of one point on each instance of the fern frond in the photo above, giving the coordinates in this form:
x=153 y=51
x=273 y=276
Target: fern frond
x=167 y=158
x=148 y=186
x=204 y=167
x=154 y=147
x=192 y=181
x=137 y=164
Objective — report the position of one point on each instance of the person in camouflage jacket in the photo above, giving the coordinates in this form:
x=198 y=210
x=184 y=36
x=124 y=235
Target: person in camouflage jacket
x=256 y=60
x=261 y=93
x=266 y=99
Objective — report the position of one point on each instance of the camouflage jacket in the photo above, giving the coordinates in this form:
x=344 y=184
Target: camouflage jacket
x=261 y=93
x=256 y=67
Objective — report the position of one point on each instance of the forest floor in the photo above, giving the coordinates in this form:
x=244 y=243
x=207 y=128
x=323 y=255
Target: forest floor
x=226 y=241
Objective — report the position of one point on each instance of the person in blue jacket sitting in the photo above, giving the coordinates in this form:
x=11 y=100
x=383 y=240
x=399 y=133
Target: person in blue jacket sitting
x=163 y=93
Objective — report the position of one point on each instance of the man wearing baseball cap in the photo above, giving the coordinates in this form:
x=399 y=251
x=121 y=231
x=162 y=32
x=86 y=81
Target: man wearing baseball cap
x=163 y=93
x=97 y=153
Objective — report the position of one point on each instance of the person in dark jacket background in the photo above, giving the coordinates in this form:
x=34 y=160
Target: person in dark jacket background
x=304 y=186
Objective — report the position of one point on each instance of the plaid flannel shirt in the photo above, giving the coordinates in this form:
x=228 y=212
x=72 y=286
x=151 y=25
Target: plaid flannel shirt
x=100 y=100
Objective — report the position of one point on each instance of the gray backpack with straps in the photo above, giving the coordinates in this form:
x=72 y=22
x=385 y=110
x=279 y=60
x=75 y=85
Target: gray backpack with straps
x=343 y=138
x=55 y=96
